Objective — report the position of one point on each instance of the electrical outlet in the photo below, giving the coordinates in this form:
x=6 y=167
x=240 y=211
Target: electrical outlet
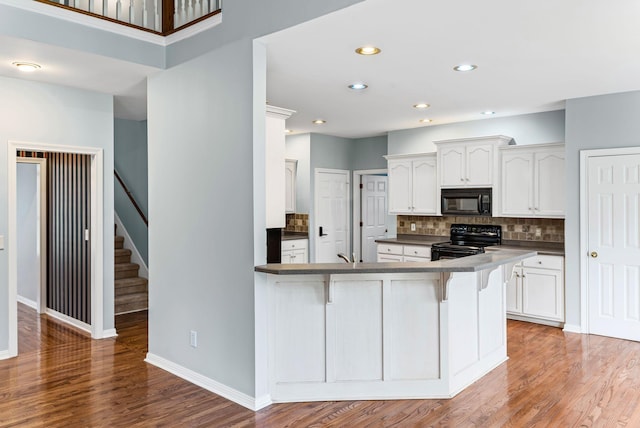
x=193 y=339
x=538 y=231
x=413 y=227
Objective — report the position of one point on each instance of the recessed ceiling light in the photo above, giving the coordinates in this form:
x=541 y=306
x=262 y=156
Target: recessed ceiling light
x=358 y=86
x=465 y=67
x=421 y=105
x=488 y=112
x=26 y=66
x=368 y=50
x=319 y=121
x=425 y=121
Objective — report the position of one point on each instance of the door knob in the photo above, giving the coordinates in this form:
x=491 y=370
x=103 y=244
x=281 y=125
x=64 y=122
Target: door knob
x=594 y=254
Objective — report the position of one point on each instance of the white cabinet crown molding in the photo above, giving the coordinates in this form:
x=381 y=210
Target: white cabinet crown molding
x=501 y=139
x=279 y=112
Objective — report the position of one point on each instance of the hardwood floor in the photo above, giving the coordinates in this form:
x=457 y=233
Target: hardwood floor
x=62 y=378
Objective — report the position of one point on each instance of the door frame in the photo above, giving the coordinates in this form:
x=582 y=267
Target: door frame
x=313 y=242
x=585 y=155
x=41 y=297
x=96 y=242
x=356 y=238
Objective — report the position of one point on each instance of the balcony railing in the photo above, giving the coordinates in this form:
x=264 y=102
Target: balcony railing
x=157 y=16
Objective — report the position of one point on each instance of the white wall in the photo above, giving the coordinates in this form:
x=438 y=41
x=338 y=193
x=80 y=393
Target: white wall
x=525 y=129
x=27 y=219
x=599 y=122
x=43 y=113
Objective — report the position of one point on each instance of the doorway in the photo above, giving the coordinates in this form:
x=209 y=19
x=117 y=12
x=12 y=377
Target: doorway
x=331 y=190
x=370 y=212
x=610 y=242
x=95 y=242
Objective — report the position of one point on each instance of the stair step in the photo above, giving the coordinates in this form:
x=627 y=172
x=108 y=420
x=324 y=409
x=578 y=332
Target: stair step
x=131 y=303
x=130 y=286
x=119 y=242
x=122 y=255
x=126 y=270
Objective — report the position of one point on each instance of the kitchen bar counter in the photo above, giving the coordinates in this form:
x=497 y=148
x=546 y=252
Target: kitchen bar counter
x=370 y=331
x=476 y=263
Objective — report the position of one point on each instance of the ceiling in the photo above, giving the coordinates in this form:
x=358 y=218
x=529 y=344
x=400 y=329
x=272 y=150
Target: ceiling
x=531 y=57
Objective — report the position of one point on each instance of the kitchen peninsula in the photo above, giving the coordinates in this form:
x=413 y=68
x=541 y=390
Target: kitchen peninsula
x=385 y=330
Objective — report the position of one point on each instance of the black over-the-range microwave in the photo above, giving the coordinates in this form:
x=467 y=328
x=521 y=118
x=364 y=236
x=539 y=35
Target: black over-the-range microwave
x=466 y=201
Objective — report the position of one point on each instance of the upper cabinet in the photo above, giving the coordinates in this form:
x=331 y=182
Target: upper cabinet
x=274 y=179
x=290 y=171
x=469 y=162
x=533 y=181
x=413 y=185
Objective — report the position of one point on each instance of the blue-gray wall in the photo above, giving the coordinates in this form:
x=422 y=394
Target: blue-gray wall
x=600 y=122
x=130 y=160
x=533 y=128
x=43 y=113
x=368 y=153
x=206 y=204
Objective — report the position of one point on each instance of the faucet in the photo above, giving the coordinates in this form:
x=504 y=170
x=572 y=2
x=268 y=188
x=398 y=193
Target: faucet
x=346 y=258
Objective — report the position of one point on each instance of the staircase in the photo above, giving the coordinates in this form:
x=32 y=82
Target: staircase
x=131 y=291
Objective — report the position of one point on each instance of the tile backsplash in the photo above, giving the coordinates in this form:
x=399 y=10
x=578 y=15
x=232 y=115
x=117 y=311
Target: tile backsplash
x=513 y=229
x=297 y=223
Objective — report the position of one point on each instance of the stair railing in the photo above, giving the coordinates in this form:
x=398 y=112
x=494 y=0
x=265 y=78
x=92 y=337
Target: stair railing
x=131 y=198
x=161 y=17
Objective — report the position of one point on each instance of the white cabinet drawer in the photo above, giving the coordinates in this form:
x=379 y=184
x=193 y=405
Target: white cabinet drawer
x=294 y=244
x=546 y=262
x=385 y=258
x=417 y=251
x=410 y=259
x=390 y=249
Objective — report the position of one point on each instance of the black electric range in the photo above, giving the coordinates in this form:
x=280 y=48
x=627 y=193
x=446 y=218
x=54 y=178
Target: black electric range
x=467 y=240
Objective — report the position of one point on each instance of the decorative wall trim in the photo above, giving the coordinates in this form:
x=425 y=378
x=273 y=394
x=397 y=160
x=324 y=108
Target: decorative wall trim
x=110 y=332
x=27 y=302
x=4 y=355
x=211 y=385
x=130 y=245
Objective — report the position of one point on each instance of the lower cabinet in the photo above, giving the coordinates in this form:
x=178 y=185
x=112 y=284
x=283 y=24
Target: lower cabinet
x=535 y=291
x=403 y=253
x=295 y=251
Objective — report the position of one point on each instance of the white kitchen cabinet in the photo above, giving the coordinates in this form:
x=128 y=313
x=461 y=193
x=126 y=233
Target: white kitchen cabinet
x=404 y=253
x=469 y=162
x=295 y=251
x=274 y=178
x=535 y=291
x=532 y=181
x=413 y=184
x=290 y=171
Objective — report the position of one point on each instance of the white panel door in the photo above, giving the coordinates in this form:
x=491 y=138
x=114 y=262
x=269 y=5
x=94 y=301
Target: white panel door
x=613 y=201
x=425 y=186
x=400 y=199
x=452 y=166
x=517 y=176
x=374 y=215
x=332 y=214
x=543 y=293
x=479 y=165
x=549 y=184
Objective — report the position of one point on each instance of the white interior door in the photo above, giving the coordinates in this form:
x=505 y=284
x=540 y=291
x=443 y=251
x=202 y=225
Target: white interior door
x=332 y=214
x=613 y=200
x=373 y=215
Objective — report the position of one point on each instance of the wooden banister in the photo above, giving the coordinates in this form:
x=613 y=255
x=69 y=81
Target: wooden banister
x=131 y=198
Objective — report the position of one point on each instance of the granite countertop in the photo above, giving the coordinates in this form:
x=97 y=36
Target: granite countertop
x=474 y=263
x=289 y=236
x=541 y=247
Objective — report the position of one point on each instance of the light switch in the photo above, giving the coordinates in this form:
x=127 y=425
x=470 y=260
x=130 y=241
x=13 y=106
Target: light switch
x=1 y=242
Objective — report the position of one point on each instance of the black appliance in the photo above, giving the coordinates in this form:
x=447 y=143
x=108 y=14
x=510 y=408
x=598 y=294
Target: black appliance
x=458 y=202
x=467 y=240
x=274 y=245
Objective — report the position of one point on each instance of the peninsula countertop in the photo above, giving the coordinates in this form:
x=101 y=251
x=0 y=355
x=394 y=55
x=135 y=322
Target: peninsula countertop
x=475 y=263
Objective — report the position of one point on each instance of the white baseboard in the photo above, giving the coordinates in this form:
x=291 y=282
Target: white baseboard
x=572 y=328
x=111 y=332
x=68 y=320
x=143 y=272
x=27 y=302
x=218 y=388
x=5 y=355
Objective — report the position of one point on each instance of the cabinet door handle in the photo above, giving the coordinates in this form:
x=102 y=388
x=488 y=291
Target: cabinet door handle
x=322 y=234
x=461 y=179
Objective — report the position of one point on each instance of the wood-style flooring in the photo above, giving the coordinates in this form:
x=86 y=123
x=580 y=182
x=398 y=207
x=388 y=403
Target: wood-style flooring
x=62 y=378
